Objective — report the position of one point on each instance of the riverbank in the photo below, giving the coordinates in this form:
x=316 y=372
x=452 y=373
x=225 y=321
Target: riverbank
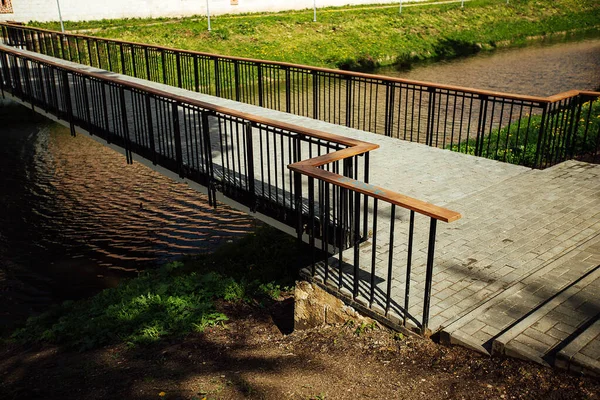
x=362 y=38
x=186 y=333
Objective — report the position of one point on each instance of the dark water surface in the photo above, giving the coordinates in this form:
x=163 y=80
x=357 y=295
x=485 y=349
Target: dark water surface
x=75 y=218
x=540 y=70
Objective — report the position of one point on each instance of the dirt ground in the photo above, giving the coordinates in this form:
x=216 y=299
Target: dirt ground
x=251 y=358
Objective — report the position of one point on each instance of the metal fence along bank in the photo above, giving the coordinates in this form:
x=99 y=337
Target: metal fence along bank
x=526 y=130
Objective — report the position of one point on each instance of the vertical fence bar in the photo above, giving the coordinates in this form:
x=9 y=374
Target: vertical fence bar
x=250 y=165
x=125 y=124
x=298 y=203
x=356 y=243
x=411 y=229
x=177 y=136
x=429 y=274
x=542 y=132
x=388 y=293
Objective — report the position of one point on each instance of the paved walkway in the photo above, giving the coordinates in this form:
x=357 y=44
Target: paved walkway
x=518 y=274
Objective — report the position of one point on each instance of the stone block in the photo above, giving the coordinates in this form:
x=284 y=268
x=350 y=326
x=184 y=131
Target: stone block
x=315 y=307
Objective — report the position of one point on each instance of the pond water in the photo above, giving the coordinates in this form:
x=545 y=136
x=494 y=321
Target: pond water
x=540 y=70
x=75 y=218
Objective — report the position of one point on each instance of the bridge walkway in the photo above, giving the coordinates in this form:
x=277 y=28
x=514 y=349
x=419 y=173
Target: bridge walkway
x=518 y=274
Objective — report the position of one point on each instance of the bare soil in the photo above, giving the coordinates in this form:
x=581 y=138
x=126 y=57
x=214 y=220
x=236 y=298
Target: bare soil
x=251 y=358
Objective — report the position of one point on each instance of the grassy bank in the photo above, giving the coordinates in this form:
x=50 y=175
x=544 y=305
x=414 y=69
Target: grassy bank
x=179 y=298
x=517 y=143
x=361 y=38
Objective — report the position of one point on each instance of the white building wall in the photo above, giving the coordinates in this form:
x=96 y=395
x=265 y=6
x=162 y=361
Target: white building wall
x=85 y=10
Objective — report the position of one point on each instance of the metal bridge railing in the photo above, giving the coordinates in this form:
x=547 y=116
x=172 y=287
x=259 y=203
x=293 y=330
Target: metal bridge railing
x=526 y=130
x=314 y=182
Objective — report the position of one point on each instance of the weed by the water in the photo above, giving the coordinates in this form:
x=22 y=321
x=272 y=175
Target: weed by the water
x=174 y=300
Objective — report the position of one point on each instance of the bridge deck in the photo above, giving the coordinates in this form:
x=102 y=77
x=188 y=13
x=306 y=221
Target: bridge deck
x=519 y=273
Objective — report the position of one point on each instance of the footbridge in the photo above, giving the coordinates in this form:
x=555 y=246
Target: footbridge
x=518 y=274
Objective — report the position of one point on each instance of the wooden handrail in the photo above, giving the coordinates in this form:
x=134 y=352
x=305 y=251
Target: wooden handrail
x=480 y=92
x=309 y=167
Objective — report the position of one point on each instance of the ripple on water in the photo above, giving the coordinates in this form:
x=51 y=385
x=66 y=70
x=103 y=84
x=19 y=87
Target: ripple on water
x=75 y=217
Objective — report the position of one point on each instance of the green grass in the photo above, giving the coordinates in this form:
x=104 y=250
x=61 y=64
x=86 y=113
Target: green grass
x=363 y=37
x=175 y=300
x=517 y=143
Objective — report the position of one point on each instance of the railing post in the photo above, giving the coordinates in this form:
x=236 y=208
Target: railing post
x=123 y=70
x=572 y=126
x=17 y=76
x=250 y=165
x=89 y=48
x=298 y=203
x=177 y=134
x=356 y=243
x=212 y=196
x=217 y=78
x=53 y=96
x=105 y=113
x=196 y=74
x=108 y=56
x=315 y=88
x=288 y=90
x=260 y=85
x=52 y=44
x=388 y=295
x=133 y=66
x=389 y=108
x=542 y=132
x=61 y=38
x=349 y=100
x=28 y=83
x=150 y=128
x=366 y=202
x=178 y=67
x=42 y=89
x=147 y=60
x=481 y=125
x=77 y=50
x=86 y=101
x=125 y=126
x=430 y=116
x=68 y=102
x=236 y=75
x=429 y=275
x=311 y=221
x=164 y=66
x=411 y=230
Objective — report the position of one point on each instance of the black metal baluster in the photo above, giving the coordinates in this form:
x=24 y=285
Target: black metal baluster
x=429 y=274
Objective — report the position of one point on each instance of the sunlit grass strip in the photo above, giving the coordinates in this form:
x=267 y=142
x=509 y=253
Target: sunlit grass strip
x=362 y=38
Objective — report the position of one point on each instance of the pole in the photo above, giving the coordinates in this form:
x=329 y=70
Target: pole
x=462 y=4
x=314 y=10
x=208 y=15
x=62 y=26
x=400 y=12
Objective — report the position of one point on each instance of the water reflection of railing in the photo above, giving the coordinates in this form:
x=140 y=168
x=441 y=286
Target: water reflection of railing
x=313 y=182
x=532 y=131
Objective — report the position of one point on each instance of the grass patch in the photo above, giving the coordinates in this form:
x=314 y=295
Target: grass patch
x=176 y=299
x=362 y=37
x=517 y=144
